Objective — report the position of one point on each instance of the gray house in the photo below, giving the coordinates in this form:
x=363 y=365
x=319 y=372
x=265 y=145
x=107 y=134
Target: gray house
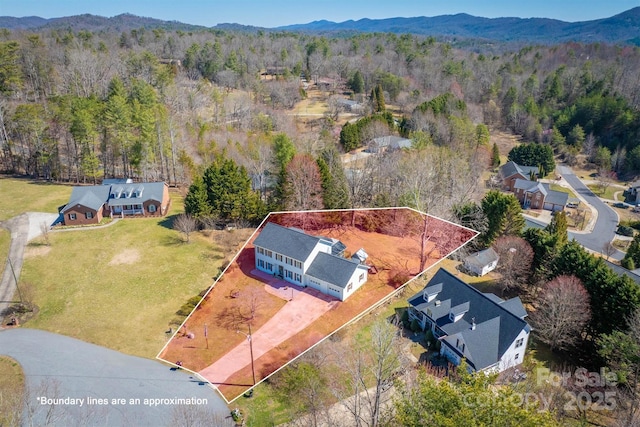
x=480 y=263
x=306 y=260
x=487 y=331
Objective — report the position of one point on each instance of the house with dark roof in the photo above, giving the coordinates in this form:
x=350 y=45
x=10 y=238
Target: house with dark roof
x=388 y=143
x=487 y=331
x=537 y=195
x=511 y=171
x=306 y=260
x=90 y=204
x=482 y=262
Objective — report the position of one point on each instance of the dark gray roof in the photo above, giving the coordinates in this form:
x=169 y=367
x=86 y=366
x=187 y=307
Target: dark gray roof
x=531 y=186
x=557 y=198
x=332 y=269
x=482 y=258
x=496 y=324
x=514 y=305
x=287 y=241
x=511 y=168
x=148 y=191
x=93 y=197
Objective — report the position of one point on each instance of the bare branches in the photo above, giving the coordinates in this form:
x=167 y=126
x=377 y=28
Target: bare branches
x=185 y=224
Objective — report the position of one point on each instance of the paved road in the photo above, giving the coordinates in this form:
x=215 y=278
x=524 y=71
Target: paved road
x=18 y=226
x=605 y=227
x=80 y=370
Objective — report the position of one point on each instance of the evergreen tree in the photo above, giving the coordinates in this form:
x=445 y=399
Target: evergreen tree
x=196 y=202
x=495 y=155
x=558 y=228
x=356 y=83
x=335 y=191
x=503 y=213
x=284 y=150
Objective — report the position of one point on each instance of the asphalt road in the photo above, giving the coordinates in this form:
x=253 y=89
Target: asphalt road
x=59 y=367
x=606 y=223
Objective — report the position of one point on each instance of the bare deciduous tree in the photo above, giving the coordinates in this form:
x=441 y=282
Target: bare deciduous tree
x=608 y=249
x=185 y=224
x=515 y=261
x=304 y=184
x=562 y=312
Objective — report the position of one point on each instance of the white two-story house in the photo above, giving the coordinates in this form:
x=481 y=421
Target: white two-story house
x=307 y=260
x=487 y=331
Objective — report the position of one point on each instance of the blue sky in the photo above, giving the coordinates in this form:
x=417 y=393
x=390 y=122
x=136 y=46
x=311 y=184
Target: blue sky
x=273 y=13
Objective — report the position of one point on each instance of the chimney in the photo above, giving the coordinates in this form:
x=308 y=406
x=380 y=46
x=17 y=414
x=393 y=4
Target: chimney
x=473 y=323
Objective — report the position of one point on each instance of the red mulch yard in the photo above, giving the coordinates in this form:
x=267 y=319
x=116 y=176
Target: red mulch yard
x=391 y=237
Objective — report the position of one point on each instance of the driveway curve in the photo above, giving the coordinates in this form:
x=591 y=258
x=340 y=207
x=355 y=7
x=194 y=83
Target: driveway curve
x=606 y=223
x=59 y=367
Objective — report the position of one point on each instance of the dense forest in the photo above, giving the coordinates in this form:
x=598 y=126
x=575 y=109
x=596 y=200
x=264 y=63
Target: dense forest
x=79 y=106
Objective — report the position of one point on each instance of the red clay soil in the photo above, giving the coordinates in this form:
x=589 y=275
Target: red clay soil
x=284 y=329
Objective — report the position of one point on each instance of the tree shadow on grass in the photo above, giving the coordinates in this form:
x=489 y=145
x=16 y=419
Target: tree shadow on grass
x=173 y=240
x=167 y=222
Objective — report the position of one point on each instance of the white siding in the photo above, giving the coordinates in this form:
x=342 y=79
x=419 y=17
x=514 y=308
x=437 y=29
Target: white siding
x=514 y=355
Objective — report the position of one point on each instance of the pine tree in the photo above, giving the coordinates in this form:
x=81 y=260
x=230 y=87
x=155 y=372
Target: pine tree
x=495 y=155
x=503 y=214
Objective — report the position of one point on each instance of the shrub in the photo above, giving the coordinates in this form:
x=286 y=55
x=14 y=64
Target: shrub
x=623 y=230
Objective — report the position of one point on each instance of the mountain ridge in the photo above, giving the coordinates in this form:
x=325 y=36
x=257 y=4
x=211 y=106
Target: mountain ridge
x=623 y=28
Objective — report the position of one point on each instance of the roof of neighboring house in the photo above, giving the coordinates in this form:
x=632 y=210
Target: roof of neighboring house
x=497 y=324
x=482 y=258
x=557 y=198
x=332 y=269
x=288 y=241
x=148 y=191
x=511 y=168
x=92 y=197
x=392 y=141
x=111 y=181
x=530 y=186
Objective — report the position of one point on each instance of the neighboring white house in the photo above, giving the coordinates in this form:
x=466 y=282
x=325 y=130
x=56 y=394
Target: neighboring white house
x=487 y=331
x=306 y=260
x=480 y=263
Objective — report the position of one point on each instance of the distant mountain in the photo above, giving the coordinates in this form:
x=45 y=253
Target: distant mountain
x=123 y=22
x=623 y=28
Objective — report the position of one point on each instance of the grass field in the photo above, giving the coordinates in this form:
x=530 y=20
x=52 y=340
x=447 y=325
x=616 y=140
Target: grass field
x=562 y=189
x=609 y=193
x=31 y=196
x=118 y=286
x=11 y=391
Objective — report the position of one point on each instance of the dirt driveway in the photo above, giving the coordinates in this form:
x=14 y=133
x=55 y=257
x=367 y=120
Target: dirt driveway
x=303 y=307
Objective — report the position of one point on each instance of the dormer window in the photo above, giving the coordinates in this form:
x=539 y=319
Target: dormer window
x=456 y=313
x=431 y=293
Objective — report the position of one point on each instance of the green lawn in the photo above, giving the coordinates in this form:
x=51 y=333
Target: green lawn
x=21 y=195
x=560 y=188
x=609 y=193
x=118 y=286
x=11 y=391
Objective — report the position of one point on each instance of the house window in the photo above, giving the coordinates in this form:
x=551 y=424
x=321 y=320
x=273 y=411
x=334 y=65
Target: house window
x=261 y=251
x=288 y=260
x=519 y=342
x=72 y=216
x=349 y=287
x=298 y=278
x=288 y=274
x=260 y=263
x=298 y=264
x=152 y=208
x=268 y=253
x=517 y=356
x=88 y=215
x=361 y=278
x=269 y=266
x=279 y=257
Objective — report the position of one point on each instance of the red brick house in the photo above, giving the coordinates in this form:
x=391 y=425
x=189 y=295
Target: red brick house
x=90 y=204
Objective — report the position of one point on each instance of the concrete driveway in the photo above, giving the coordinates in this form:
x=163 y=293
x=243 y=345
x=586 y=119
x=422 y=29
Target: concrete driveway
x=59 y=367
x=606 y=223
